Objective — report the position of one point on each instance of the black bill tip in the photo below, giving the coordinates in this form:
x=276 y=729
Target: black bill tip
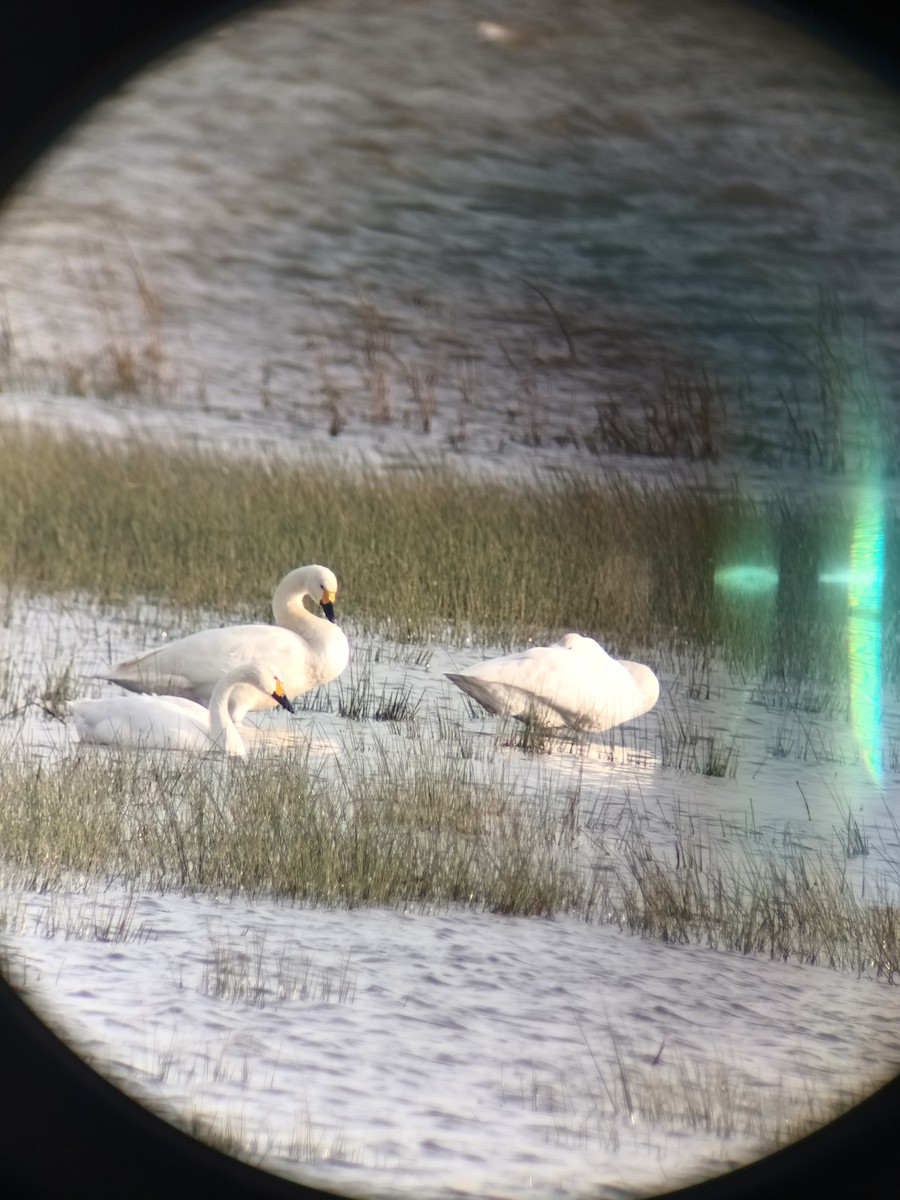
x=283 y=701
x=328 y=610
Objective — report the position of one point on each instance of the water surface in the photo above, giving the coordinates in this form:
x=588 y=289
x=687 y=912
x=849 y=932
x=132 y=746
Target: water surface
x=373 y=224
x=496 y=1046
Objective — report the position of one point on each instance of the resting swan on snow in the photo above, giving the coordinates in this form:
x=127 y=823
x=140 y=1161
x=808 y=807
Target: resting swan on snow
x=173 y=723
x=309 y=650
x=574 y=682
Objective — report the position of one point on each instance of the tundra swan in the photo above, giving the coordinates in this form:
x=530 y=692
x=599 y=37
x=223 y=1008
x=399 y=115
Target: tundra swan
x=173 y=723
x=573 y=682
x=309 y=650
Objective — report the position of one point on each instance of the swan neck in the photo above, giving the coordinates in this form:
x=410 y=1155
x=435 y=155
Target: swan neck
x=289 y=610
x=222 y=729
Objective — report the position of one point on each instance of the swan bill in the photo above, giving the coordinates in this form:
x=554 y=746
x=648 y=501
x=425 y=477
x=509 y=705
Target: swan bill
x=280 y=696
x=328 y=610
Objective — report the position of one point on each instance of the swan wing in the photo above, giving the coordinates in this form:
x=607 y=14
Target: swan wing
x=645 y=684
x=192 y=666
x=143 y=722
x=506 y=700
x=546 y=683
x=574 y=682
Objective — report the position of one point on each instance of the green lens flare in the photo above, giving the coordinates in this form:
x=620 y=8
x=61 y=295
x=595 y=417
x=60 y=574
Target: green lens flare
x=746 y=579
x=840 y=578
x=864 y=627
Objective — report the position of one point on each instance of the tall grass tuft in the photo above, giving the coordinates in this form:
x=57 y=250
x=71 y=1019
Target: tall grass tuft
x=396 y=829
x=402 y=825
x=358 y=699
x=784 y=907
x=243 y=971
x=684 y=746
x=682 y=417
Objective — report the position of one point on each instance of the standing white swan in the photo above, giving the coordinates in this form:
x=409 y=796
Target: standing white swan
x=573 y=682
x=173 y=723
x=309 y=650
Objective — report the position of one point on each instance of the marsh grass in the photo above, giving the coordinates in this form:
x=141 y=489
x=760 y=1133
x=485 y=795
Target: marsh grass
x=10 y=688
x=377 y=370
x=664 y=1089
x=392 y=829
x=625 y=1091
x=52 y=695
x=806 y=742
x=683 y=417
x=783 y=906
x=834 y=412
x=308 y=1145
x=91 y=917
x=831 y=418
x=853 y=840
x=532 y=736
x=208 y=534
x=120 y=352
x=620 y=1097
x=685 y=746
x=60 y=687
x=360 y=700
x=244 y=971
x=811 y=697
x=406 y=825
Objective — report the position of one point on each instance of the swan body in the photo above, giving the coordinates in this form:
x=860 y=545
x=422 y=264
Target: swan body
x=309 y=650
x=574 y=682
x=174 y=723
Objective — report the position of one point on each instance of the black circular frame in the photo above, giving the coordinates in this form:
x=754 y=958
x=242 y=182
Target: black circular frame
x=64 y=1130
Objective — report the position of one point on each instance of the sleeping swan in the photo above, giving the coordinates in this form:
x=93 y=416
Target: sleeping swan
x=573 y=682
x=173 y=723
x=309 y=650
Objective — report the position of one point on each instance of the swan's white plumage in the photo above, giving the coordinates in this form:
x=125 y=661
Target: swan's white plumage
x=173 y=723
x=574 y=682
x=310 y=650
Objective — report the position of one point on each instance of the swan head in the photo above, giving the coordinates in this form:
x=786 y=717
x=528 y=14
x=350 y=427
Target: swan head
x=325 y=582
x=262 y=675
x=571 y=641
x=279 y=695
x=317 y=582
x=581 y=644
x=327 y=603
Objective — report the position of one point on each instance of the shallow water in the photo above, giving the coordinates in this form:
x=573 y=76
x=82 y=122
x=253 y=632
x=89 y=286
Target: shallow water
x=320 y=219
x=496 y=1046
